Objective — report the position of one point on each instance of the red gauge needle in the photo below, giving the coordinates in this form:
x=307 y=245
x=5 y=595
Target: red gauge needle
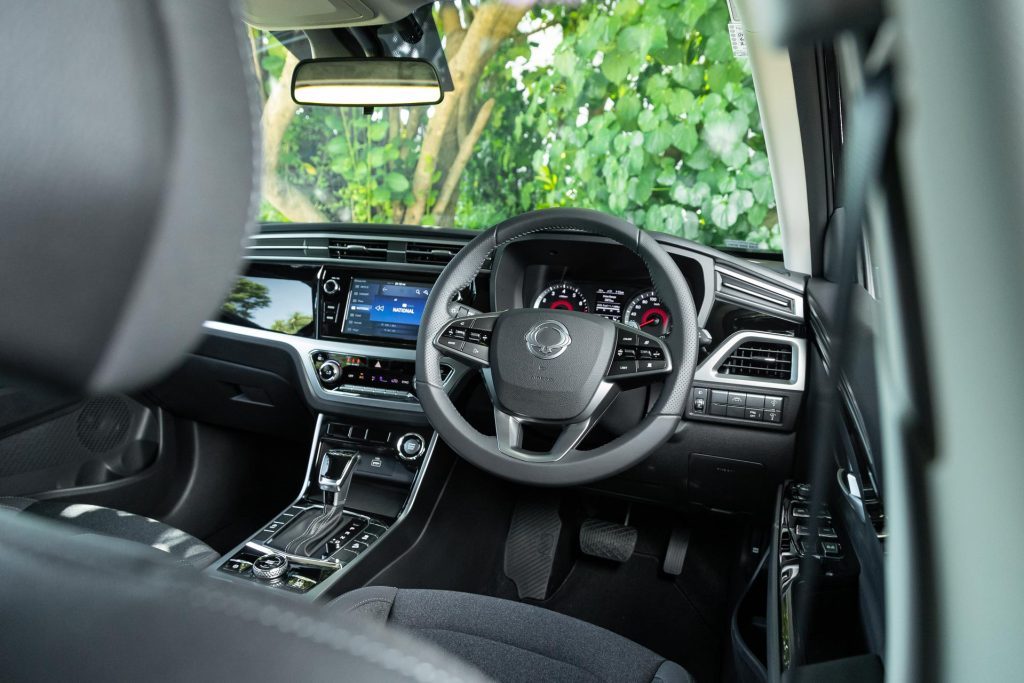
x=651 y=322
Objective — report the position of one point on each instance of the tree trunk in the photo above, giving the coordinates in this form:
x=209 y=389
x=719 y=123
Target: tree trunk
x=278 y=112
x=492 y=23
x=451 y=181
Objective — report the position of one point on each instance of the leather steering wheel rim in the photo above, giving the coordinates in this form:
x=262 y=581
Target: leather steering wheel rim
x=625 y=450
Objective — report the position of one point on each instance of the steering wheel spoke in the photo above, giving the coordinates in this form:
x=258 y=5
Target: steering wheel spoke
x=638 y=356
x=467 y=339
x=509 y=430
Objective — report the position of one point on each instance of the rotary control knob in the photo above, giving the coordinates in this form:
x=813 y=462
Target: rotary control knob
x=411 y=447
x=329 y=372
x=269 y=567
x=331 y=287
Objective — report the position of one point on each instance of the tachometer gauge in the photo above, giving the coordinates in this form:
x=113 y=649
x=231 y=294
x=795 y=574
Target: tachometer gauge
x=563 y=296
x=646 y=312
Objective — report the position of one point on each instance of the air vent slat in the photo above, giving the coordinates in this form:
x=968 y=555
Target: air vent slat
x=762 y=360
x=430 y=253
x=358 y=250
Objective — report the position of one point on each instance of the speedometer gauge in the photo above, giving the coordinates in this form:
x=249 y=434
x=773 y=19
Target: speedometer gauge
x=646 y=312
x=563 y=296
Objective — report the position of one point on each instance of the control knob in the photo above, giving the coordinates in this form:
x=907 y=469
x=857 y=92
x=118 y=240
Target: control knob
x=331 y=286
x=329 y=372
x=411 y=447
x=270 y=566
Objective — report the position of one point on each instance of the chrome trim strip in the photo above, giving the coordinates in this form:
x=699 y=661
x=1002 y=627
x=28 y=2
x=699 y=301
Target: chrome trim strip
x=796 y=309
x=708 y=370
x=301 y=348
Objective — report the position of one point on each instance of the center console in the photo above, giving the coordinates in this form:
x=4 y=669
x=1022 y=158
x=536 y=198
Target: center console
x=360 y=482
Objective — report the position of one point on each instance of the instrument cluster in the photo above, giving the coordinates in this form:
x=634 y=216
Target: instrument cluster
x=642 y=310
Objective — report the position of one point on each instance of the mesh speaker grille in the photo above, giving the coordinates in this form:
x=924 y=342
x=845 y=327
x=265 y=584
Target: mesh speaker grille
x=103 y=423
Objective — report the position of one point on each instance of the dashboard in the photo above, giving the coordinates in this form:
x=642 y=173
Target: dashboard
x=347 y=306
x=324 y=319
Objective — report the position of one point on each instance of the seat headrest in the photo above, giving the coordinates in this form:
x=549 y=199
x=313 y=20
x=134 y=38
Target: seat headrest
x=127 y=169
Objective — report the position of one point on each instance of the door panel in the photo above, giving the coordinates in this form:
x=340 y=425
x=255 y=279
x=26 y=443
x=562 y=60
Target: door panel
x=54 y=447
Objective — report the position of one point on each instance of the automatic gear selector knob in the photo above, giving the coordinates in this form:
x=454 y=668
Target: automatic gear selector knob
x=270 y=566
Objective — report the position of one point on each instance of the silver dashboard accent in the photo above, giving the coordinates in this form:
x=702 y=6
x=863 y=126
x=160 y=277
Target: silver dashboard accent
x=301 y=350
x=760 y=294
x=707 y=371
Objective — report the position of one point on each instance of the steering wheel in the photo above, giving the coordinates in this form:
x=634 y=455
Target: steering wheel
x=555 y=367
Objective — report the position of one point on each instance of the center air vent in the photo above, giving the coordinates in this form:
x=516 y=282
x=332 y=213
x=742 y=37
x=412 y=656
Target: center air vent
x=358 y=250
x=763 y=360
x=430 y=253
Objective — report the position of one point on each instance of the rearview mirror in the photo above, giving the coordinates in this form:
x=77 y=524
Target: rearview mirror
x=365 y=82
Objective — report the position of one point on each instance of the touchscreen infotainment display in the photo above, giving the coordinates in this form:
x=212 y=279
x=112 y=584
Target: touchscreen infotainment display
x=384 y=308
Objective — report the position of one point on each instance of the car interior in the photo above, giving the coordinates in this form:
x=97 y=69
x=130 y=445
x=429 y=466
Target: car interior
x=621 y=340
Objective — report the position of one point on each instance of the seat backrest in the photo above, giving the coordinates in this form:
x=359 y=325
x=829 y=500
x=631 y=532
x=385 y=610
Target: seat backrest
x=127 y=166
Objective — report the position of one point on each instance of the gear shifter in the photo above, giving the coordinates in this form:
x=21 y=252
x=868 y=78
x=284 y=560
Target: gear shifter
x=336 y=471
x=307 y=533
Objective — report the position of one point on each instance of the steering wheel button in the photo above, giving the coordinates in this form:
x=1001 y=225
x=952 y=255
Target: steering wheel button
x=652 y=365
x=623 y=367
x=625 y=353
x=454 y=344
x=627 y=338
x=643 y=341
x=475 y=350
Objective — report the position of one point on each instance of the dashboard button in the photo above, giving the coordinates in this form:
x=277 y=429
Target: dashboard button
x=720 y=397
x=755 y=401
x=753 y=414
x=737 y=399
x=719 y=409
x=736 y=411
x=773 y=416
x=699 y=405
x=623 y=367
x=773 y=403
x=700 y=392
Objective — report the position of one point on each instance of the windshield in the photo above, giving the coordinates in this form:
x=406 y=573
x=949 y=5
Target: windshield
x=638 y=109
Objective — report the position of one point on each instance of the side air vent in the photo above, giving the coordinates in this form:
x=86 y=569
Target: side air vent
x=430 y=253
x=358 y=250
x=759 y=359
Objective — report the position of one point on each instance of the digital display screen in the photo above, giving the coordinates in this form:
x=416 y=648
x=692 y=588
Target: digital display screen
x=384 y=308
x=275 y=304
x=609 y=303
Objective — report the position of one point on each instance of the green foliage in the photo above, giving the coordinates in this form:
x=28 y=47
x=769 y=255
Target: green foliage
x=295 y=322
x=642 y=111
x=246 y=297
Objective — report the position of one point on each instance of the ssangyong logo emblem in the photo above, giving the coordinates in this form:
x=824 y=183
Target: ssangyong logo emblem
x=548 y=339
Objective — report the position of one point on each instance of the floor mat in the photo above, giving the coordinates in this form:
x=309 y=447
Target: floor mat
x=633 y=600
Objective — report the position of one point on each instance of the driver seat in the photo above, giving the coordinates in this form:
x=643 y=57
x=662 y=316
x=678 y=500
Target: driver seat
x=511 y=641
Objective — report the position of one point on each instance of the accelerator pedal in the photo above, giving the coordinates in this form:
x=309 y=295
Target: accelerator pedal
x=531 y=543
x=607 y=540
x=675 y=556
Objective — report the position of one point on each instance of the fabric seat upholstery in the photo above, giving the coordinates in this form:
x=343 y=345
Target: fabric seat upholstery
x=511 y=641
x=102 y=521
